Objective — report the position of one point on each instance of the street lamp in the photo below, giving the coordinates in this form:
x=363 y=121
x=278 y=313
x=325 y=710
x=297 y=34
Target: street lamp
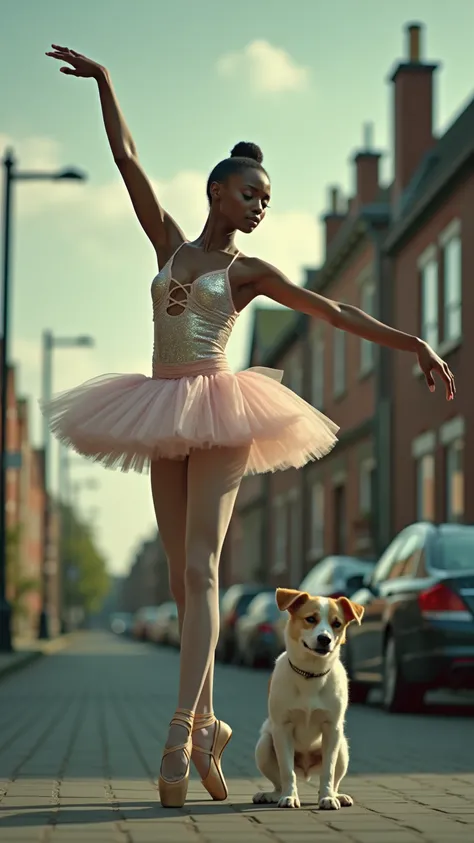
x=50 y=342
x=12 y=175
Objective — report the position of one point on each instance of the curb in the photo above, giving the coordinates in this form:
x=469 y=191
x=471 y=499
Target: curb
x=19 y=663
x=28 y=657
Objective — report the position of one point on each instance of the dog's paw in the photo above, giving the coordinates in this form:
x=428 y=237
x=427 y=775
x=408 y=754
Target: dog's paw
x=266 y=797
x=289 y=801
x=329 y=803
x=345 y=800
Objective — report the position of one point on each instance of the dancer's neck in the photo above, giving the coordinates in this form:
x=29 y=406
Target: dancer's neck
x=216 y=236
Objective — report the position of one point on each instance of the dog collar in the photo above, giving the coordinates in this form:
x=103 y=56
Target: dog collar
x=306 y=673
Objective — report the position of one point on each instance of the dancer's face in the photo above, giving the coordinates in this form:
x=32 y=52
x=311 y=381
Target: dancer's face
x=242 y=199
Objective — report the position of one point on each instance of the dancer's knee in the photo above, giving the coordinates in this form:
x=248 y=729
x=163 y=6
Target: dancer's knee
x=201 y=571
x=177 y=586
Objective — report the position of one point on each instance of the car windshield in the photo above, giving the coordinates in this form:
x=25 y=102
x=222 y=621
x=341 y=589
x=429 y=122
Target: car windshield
x=455 y=549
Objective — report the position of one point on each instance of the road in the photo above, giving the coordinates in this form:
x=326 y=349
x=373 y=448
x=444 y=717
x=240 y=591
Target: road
x=81 y=733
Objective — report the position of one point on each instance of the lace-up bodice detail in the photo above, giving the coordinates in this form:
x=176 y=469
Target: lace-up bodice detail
x=193 y=320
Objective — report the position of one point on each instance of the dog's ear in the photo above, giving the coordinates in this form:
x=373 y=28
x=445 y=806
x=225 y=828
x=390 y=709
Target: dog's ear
x=351 y=611
x=289 y=599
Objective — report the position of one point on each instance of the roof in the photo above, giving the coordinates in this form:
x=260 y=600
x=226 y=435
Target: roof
x=441 y=164
x=269 y=323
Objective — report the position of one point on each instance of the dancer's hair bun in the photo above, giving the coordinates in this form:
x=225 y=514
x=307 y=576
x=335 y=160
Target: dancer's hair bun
x=245 y=149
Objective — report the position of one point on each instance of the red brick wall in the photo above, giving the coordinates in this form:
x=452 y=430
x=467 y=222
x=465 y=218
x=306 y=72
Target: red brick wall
x=415 y=408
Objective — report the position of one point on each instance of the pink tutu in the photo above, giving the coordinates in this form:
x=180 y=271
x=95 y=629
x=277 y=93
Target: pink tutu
x=126 y=421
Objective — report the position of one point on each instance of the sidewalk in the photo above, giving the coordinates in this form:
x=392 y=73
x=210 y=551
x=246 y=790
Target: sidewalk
x=26 y=651
x=81 y=736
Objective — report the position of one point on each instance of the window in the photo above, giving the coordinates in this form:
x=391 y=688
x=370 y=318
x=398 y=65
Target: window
x=366 y=485
x=407 y=556
x=317 y=368
x=339 y=372
x=387 y=560
x=367 y=348
x=452 y=289
x=425 y=488
x=454 y=463
x=322 y=574
x=317 y=519
x=280 y=532
x=429 y=302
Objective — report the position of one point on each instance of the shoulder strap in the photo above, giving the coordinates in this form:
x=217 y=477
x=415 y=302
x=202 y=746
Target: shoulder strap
x=233 y=259
x=171 y=260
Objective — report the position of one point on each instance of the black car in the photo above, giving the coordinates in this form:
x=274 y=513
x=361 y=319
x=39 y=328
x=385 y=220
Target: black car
x=417 y=633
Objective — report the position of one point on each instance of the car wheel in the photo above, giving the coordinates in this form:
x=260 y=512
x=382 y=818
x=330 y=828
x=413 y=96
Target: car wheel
x=397 y=695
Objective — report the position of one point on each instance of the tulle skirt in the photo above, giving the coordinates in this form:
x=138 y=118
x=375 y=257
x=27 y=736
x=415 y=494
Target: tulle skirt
x=125 y=421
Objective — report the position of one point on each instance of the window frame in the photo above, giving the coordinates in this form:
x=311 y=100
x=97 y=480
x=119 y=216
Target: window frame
x=366 y=347
x=429 y=328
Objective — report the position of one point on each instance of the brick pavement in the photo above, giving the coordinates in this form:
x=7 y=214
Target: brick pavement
x=81 y=733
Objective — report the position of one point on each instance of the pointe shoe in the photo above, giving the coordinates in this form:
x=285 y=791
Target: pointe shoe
x=173 y=793
x=214 y=782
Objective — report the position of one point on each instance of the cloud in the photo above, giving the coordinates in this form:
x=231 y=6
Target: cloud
x=269 y=69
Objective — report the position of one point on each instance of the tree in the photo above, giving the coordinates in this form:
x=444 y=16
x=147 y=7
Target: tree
x=19 y=585
x=85 y=577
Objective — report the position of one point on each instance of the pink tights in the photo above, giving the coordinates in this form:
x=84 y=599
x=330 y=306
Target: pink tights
x=194 y=499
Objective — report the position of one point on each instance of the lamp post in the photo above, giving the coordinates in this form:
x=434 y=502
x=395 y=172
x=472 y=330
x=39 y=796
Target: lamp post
x=50 y=342
x=11 y=175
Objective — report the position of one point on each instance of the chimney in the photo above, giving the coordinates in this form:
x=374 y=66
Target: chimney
x=367 y=171
x=413 y=111
x=334 y=218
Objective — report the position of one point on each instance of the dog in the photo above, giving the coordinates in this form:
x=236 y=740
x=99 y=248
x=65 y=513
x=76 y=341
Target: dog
x=307 y=701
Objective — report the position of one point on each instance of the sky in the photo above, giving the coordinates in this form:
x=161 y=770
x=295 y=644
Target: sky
x=193 y=78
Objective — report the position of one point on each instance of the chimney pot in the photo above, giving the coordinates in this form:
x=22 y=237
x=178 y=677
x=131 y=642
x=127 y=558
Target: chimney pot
x=334 y=217
x=414 y=36
x=368 y=136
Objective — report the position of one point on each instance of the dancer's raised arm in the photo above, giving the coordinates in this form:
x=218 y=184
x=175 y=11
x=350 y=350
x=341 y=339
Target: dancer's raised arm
x=158 y=225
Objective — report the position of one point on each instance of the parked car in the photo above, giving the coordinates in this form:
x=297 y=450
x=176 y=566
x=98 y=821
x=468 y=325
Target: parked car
x=334 y=576
x=165 y=623
x=142 y=622
x=256 y=641
x=417 y=633
x=234 y=603
x=121 y=623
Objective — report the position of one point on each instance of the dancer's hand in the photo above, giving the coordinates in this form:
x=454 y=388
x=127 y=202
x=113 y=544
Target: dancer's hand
x=81 y=65
x=429 y=362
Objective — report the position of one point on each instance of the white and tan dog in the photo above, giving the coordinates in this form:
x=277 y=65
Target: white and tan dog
x=308 y=696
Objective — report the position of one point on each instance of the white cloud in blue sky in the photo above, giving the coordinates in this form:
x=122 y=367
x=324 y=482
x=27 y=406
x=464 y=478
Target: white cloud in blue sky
x=267 y=69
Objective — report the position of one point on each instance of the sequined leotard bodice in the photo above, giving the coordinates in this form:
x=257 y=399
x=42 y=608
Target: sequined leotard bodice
x=193 y=327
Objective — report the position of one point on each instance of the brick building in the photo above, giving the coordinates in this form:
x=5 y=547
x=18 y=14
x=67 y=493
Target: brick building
x=25 y=499
x=402 y=253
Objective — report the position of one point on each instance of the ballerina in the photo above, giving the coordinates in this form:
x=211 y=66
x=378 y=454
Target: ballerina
x=197 y=426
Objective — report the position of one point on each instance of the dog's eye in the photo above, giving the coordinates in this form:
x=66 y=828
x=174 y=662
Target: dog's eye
x=336 y=624
x=311 y=619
